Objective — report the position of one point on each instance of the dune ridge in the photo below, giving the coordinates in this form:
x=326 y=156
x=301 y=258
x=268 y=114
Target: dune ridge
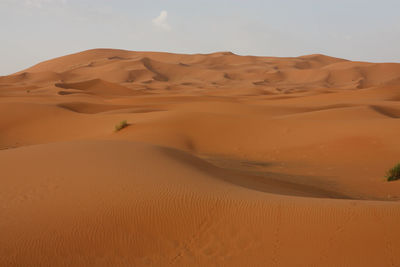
x=227 y=160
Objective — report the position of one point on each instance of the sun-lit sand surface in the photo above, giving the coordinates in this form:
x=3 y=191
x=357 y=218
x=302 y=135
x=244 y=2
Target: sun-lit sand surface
x=227 y=161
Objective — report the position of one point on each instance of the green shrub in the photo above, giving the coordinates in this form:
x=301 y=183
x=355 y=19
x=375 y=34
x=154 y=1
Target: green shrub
x=121 y=125
x=394 y=173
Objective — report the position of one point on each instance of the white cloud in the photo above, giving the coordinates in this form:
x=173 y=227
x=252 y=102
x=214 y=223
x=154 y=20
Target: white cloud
x=161 y=21
x=348 y=37
x=42 y=3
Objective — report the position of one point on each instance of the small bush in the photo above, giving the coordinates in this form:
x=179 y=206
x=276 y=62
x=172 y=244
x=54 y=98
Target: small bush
x=121 y=125
x=394 y=173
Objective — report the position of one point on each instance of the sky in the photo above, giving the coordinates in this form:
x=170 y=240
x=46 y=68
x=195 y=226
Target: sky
x=35 y=30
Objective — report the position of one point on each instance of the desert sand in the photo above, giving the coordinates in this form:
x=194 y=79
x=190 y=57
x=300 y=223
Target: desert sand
x=227 y=161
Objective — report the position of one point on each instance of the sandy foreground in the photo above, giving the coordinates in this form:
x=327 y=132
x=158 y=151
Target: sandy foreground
x=227 y=161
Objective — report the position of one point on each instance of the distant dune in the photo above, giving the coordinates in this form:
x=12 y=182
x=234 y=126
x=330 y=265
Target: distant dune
x=227 y=161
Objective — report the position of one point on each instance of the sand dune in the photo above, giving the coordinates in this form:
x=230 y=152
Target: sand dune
x=98 y=87
x=227 y=161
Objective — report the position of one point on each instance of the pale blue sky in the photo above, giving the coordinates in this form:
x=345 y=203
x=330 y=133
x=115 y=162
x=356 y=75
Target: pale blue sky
x=36 y=30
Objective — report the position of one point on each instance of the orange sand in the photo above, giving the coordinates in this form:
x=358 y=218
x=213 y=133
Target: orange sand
x=227 y=161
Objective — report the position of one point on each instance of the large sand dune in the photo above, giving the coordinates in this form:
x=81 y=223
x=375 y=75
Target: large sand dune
x=227 y=161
